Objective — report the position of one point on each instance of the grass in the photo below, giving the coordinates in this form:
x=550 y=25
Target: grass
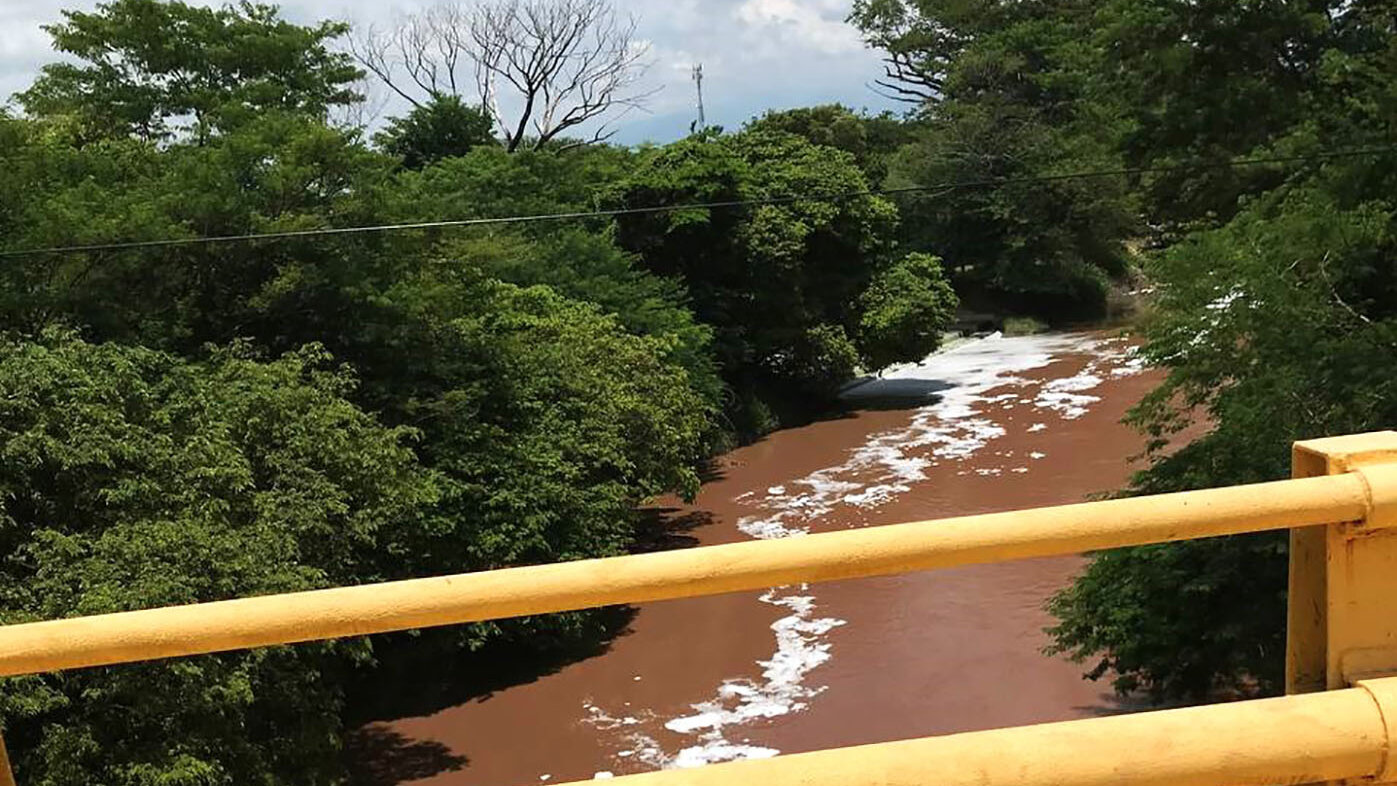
x=1023 y=326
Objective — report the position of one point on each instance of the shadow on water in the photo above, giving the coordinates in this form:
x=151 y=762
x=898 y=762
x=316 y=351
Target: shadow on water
x=382 y=757
x=423 y=673
x=420 y=674
x=711 y=472
x=873 y=393
x=664 y=529
x=1114 y=702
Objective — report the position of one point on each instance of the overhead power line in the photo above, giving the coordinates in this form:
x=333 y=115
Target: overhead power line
x=938 y=189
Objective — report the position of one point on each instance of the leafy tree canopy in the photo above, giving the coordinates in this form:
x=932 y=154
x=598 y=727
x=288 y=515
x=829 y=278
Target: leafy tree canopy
x=779 y=283
x=1275 y=323
x=1277 y=327
x=1006 y=93
x=157 y=68
x=444 y=127
x=870 y=139
x=1274 y=315
x=905 y=309
x=135 y=479
x=542 y=420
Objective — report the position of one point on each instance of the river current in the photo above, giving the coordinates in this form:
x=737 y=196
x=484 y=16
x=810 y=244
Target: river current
x=985 y=425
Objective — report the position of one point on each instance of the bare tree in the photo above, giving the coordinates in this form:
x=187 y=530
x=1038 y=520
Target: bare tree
x=360 y=115
x=908 y=81
x=420 y=57
x=541 y=68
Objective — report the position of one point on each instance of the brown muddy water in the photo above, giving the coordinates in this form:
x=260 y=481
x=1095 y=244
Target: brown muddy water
x=994 y=424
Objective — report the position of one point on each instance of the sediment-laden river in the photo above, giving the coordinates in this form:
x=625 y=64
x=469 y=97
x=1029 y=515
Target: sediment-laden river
x=992 y=424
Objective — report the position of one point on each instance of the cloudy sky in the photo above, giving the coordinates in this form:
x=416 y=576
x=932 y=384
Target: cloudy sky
x=756 y=54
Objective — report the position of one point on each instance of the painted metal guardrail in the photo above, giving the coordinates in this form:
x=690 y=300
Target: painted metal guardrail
x=1343 y=630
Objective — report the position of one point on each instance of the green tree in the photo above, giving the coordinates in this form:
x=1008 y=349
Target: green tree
x=145 y=67
x=547 y=420
x=579 y=260
x=544 y=420
x=1042 y=247
x=1276 y=293
x=135 y=479
x=870 y=139
x=1280 y=326
x=381 y=304
x=1276 y=326
x=1206 y=82
x=1006 y=91
x=542 y=412
x=779 y=283
x=905 y=309
x=276 y=173
x=441 y=128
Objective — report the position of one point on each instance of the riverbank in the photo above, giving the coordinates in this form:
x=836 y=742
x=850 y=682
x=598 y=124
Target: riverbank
x=996 y=424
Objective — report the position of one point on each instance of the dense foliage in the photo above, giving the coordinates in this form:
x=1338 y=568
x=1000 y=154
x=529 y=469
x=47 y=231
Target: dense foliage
x=1004 y=109
x=1275 y=314
x=133 y=478
x=782 y=282
x=146 y=66
x=870 y=139
x=904 y=310
x=444 y=127
x=219 y=419
x=1274 y=326
x=512 y=422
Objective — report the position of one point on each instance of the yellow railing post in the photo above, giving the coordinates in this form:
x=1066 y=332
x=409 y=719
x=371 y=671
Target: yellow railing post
x=1342 y=625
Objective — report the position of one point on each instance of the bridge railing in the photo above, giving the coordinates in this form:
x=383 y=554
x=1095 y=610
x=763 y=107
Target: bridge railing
x=1339 y=508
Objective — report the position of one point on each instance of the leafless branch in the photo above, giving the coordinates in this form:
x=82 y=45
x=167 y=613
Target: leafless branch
x=374 y=49
x=904 y=80
x=1334 y=291
x=540 y=67
x=362 y=114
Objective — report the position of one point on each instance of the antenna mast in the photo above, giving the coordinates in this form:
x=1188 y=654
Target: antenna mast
x=698 y=83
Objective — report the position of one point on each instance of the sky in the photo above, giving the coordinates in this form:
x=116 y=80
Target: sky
x=756 y=54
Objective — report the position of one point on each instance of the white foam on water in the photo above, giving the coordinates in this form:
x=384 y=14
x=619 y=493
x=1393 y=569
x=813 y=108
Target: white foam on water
x=800 y=648
x=781 y=690
x=952 y=427
x=701 y=755
x=1065 y=396
x=1134 y=362
x=639 y=745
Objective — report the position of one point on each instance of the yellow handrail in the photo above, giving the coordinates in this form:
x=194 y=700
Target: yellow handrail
x=1295 y=739
x=379 y=608
x=1342 y=513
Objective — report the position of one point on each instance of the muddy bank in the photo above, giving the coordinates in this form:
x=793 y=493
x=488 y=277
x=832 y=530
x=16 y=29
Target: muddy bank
x=994 y=425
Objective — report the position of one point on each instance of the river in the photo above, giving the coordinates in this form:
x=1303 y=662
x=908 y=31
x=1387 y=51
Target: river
x=987 y=425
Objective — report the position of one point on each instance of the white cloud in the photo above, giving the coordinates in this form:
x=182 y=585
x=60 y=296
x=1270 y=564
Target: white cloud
x=805 y=24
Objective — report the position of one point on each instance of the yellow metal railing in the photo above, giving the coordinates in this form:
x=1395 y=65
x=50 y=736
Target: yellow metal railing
x=1343 y=636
